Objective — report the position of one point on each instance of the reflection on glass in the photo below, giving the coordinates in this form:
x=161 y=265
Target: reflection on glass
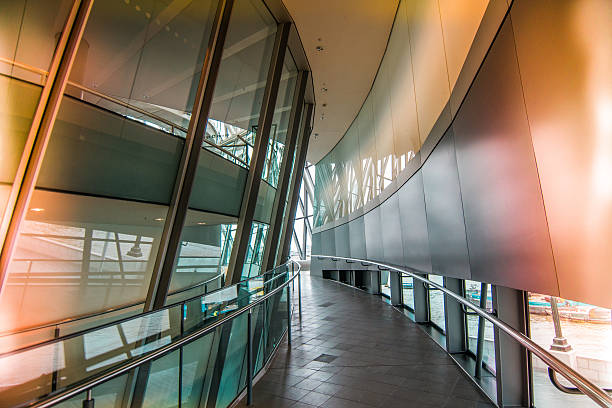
x=580 y=335
x=241 y=81
x=436 y=303
x=255 y=250
x=23 y=42
x=77 y=255
x=472 y=293
x=408 y=291
x=206 y=243
x=120 y=53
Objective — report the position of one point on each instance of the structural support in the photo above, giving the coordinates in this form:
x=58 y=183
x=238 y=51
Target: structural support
x=421 y=302
x=276 y=219
x=294 y=189
x=251 y=189
x=511 y=359
x=395 y=279
x=171 y=236
x=40 y=131
x=455 y=318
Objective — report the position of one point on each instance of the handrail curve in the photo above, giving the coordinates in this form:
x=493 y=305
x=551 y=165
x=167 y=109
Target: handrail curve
x=111 y=373
x=588 y=388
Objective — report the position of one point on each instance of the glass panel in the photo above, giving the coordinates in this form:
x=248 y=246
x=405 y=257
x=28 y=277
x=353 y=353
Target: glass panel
x=162 y=384
x=120 y=54
x=234 y=364
x=255 y=250
x=408 y=291
x=206 y=242
x=196 y=362
x=436 y=303
x=77 y=255
x=580 y=335
x=241 y=81
x=472 y=293
x=28 y=35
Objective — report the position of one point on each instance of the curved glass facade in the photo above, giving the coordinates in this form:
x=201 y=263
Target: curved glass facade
x=101 y=215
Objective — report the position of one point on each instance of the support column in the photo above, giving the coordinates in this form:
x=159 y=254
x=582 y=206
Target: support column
x=40 y=131
x=295 y=184
x=511 y=359
x=251 y=190
x=455 y=318
x=421 y=302
x=395 y=279
x=170 y=240
x=276 y=219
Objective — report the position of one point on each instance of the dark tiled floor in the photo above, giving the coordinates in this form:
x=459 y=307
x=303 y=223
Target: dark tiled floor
x=382 y=359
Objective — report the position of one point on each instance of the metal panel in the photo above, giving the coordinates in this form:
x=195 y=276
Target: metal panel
x=393 y=252
x=447 y=241
x=328 y=242
x=357 y=241
x=504 y=215
x=413 y=222
x=373 y=235
x=341 y=234
x=564 y=57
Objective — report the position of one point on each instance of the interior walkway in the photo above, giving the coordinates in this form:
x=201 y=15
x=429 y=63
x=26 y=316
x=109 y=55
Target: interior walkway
x=353 y=350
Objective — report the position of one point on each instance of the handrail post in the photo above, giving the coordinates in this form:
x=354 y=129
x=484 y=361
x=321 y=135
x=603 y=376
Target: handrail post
x=300 y=294
x=288 y=316
x=88 y=402
x=249 y=358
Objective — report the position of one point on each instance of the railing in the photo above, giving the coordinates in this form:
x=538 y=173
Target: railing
x=232 y=310
x=59 y=324
x=44 y=74
x=582 y=384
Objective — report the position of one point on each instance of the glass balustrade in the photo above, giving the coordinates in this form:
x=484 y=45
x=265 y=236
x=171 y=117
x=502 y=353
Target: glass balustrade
x=212 y=366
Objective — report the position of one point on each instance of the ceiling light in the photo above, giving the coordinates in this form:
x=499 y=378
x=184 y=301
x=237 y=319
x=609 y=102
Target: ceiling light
x=201 y=223
x=324 y=89
x=159 y=219
x=324 y=105
x=37 y=209
x=319 y=48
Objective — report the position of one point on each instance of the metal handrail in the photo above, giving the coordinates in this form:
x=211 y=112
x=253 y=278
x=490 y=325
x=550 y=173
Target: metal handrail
x=588 y=388
x=124 y=319
x=153 y=355
x=103 y=312
x=121 y=103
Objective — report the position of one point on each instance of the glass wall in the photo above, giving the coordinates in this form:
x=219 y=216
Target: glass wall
x=421 y=64
x=25 y=59
x=408 y=292
x=577 y=333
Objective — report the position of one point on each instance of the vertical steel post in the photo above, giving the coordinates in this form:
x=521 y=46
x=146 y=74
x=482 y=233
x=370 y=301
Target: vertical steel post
x=249 y=358
x=253 y=182
x=88 y=402
x=295 y=183
x=170 y=240
x=300 y=295
x=288 y=316
x=481 y=329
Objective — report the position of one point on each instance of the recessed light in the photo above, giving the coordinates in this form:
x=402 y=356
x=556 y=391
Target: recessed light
x=324 y=105
x=159 y=219
x=37 y=209
x=324 y=89
x=319 y=48
x=201 y=223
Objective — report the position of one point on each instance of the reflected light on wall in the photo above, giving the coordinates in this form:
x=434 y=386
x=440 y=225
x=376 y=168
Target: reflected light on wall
x=602 y=165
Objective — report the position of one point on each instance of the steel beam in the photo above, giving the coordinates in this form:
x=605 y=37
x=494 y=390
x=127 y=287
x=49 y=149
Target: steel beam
x=170 y=240
x=276 y=219
x=294 y=189
x=251 y=190
x=40 y=131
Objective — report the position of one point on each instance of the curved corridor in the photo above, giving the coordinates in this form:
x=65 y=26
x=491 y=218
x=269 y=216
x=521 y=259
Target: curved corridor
x=351 y=349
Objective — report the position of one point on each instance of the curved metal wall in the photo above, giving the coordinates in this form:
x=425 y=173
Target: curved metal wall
x=511 y=190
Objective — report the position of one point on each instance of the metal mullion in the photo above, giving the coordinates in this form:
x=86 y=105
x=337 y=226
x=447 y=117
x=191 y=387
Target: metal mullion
x=276 y=219
x=177 y=212
x=251 y=190
x=40 y=131
x=296 y=179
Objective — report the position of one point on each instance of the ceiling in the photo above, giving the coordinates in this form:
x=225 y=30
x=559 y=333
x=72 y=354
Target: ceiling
x=353 y=35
